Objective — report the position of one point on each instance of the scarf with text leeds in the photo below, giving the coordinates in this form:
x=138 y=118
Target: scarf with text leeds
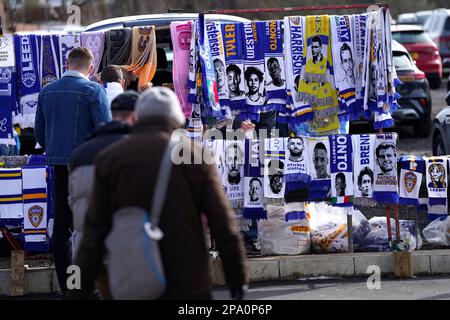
x=274 y=170
x=49 y=66
x=35 y=208
x=296 y=160
x=234 y=164
x=7 y=92
x=341 y=170
x=28 y=73
x=95 y=41
x=411 y=170
x=253 y=183
x=386 y=185
x=436 y=178
x=319 y=164
x=11 y=199
x=364 y=166
x=67 y=42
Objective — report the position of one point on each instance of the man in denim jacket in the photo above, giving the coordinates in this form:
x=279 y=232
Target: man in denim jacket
x=68 y=111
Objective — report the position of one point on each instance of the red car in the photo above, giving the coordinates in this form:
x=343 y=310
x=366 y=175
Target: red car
x=422 y=49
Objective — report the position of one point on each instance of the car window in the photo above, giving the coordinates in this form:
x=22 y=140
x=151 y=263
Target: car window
x=447 y=24
x=423 y=18
x=402 y=61
x=411 y=37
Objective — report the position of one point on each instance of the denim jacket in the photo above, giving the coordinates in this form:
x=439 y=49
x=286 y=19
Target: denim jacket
x=68 y=111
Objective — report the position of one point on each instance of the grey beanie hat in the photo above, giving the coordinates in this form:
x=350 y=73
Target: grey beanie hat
x=160 y=101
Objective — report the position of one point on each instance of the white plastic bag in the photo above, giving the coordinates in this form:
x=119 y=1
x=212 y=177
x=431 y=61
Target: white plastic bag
x=438 y=231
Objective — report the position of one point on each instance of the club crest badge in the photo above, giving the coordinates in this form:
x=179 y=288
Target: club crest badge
x=35 y=214
x=410 y=181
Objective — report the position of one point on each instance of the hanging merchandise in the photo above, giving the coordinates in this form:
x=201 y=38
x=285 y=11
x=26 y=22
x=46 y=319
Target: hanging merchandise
x=49 y=70
x=411 y=170
x=7 y=89
x=364 y=166
x=11 y=199
x=118 y=46
x=296 y=160
x=234 y=60
x=253 y=183
x=181 y=37
x=359 y=50
x=35 y=208
x=254 y=71
x=275 y=75
x=319 y=164
x=234 y=164
x=341 y=170
x=67 y=42
x=26 y=49
x=298 y=111
x=386 y=185
x=274 y=164
x=216 y=147
x=436 y=178
x=95 y=41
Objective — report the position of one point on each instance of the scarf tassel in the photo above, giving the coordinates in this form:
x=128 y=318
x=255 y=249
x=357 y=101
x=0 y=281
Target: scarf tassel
x=388 y=123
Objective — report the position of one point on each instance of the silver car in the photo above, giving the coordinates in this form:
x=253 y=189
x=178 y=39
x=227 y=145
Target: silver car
x=441 y=130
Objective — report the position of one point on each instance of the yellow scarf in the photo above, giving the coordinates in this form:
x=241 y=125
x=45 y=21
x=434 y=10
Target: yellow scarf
x=317 y=39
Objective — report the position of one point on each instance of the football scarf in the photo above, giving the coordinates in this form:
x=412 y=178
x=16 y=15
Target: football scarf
x=35 y=208
x=411 y=170
x=67 y=42
x=319 y=164
x=28 y=75
x=359 y=48
x=254 y=70
x=341 y=170
x=296 y=160
x=234 y=59
x=275 y=84
x=317 y=35
x=298 y=111
x=11 y=198
x=436 y=178
x=194 y=68
x=49 y=68
x=95 y=41
x=253 y=183
x=181 y=37
x=7 y=92
x=343 y=60
x=385 y=185
x=217 y=152
x=234 y=170
x=118 y=47
x=364 y=166
x=369 y=68
x=274 y=170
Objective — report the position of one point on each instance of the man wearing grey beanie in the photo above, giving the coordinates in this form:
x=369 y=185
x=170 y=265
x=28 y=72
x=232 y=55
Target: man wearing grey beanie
x=125 y=176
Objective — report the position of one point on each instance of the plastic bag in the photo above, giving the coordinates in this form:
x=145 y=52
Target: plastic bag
x=438 y=231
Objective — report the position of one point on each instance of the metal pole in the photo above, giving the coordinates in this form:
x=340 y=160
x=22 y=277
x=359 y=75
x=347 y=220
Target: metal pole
x=397 y=223
x=388 y=221
x=349 y=230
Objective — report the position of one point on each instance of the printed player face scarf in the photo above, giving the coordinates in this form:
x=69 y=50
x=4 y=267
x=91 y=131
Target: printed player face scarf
x=275 y=84
x=28 y=74
x=234 y=164
x=67 y=42
x=274 y=170
x=317 y=33
x=118 y=46
x=95 y=41
x=181 y=37
x=234 y=60
x=254 y=70
x=319 y=164
x=436 y=175
x=359 y=48
x=216 y=147
x=7 y=85
x=341 y=170
x=253 y=183
x=294 y=58
x=386 y=186
x=49 y=68
x=343 y=61
x=11 y=201
x=411 y=171
x=35 y=208
x=364 y=166
x=296 y=160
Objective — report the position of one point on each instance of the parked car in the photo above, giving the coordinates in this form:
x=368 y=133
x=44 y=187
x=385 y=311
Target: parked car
x=415 y=101
x=439 y=30
x=417 y=18
x=422 y=49
x=441 y=130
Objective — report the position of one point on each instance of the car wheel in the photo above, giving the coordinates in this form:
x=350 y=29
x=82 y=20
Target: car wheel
x=438 y=146
x=435 y=83
x=423 y=128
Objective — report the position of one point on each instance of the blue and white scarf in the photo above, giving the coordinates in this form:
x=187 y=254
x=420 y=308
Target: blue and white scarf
x=275 y=74
x=67 y=42
x=49 y=67
x=411 y=171
x=319 y=164
x=234 y=152
x=341 y=170
x=386 y=184
x=7 y=89
x=11 y=199
x=234 y=59
x=253 y=183
x=193 y=65
x=364 y=166
x=298 y=111
x=359 y=50
x=95 y=41
x=296 y=159
x=274 y=171
x=437 y=180
x=254 y=70
x=28 y=74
